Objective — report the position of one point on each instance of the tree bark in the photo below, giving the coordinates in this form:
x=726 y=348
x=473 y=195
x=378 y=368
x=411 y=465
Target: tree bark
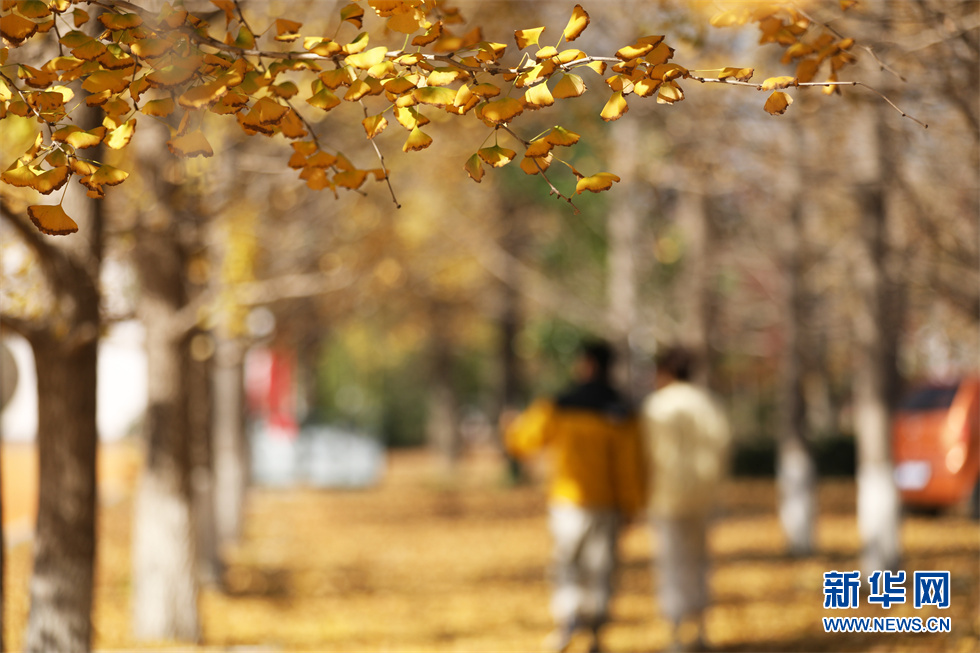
x=230 y=447
x=64 y=540
x=622 y=226
x=693 y=219
x=164 y=557
x=202 y=462
x=875 y=377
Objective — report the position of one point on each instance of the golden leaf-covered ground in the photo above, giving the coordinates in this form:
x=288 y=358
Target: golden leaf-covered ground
x=429 y=562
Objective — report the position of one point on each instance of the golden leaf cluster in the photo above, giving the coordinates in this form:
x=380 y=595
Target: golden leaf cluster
x=176 y=67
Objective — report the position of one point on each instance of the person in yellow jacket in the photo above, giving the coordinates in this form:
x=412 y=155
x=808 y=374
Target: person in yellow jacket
x=688 y=440
x=592 y=437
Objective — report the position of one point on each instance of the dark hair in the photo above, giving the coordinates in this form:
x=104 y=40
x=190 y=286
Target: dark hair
x=676 y=361
x=600 y=353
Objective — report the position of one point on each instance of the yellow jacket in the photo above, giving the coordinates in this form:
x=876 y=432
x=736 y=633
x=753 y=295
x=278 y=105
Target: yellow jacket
x=597 y=458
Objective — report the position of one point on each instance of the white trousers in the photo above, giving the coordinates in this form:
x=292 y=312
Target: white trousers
x=583 y=564
x=682 y=565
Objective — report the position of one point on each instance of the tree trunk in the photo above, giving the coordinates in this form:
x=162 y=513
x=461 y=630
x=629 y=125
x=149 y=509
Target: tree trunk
x=202 y=461
x=622 y=226
x=443 y=432
x=795 y=469
x=230 y=447
x=874 y=376
x=64 y=541
x=164 y=580
x=692 y=218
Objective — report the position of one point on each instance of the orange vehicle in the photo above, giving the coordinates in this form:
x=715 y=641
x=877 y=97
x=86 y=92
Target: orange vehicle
x=936 y=444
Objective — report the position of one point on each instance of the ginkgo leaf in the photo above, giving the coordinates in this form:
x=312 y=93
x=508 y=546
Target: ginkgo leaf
x=474 y=168
x=569 y=85
x=401 y=84
x=526 y=37
x=80 y=17
x=662 y=53
x=434 y=95
x=172 y=76
x=774 y=83
x=52 y=220
x=119 y=137
x=190 y=145
x=105 y=176
x=287 y=30
x=159 y=108
x=646 y=87
x=324 y=99
x=358 y=89
x=807 y=69
x=596 y=183
x=417 y=140
x=352 y=179
x=17 y=29
x=533 y=165
x=266 y=111
x=203 y=95
x=546 y=52
x=368 y=58
x=292 y=125
x=642 y=47
x=374 y=125
x=152 y=48
x=114 y=81
x=496 y=155
x=321 y=46
x=431 y=35
x=502 y=110
x=321 y=159
x=406 y=23
x=485 y=90
x=576 y=24
x=669 y=93
x=120 y=21
x=409 y=118
x=539 y=96
x=615 y=107
x=778 y=102
x=353 y=14
x=539 y=147
x=79 y=138
x=32 y=8
x=561 y=137
x=80 y=167
x=442 y=76
x=738 y=74
x=43 y=182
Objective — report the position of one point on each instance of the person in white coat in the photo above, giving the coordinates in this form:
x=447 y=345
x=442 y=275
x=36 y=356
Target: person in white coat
x=688 y=439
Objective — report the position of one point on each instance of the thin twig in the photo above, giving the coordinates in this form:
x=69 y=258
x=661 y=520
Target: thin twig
x=554 y=190
x=381 y=158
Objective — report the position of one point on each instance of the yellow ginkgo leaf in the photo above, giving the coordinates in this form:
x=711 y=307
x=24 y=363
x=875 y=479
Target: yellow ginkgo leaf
x=52 y=220
x=287 y=30
x=526 y=37
x=738 y=74
x=321 y=159
x=646 y=87
x=324 y=99
x=501 y=111
x=172 y=76
x=152 y=48
x=408 y=22
x=561 y=137
x=203 y=95
x=643 y=46
x=546 y=52
x=352 y=179
x=417 y=140
x=159 y=108
x=117 y=22
x=434 y=95
x=474 y=168
x=539 y=96
x=266 y=111
x=539 y=147
x=485 y=90
x=43 y=182
x=669 y=93
x=374 y=125
x=431 y=35
x=774 y=83
x=358 y=89
x=615 y=107
x=533 y=165
x=496 y=156
x=576 y=24
x=807 y=70
x=596 y=183
x=662 y=53
x=79 y=138
x=82 y=168
x=17 y=29
x=778 y=102
x=409 y=117
x=353 y=14
x=190 y=145
x=569 y=86
x=119 y=137
x=114 y=81
x=368 y=58
x=104 y=176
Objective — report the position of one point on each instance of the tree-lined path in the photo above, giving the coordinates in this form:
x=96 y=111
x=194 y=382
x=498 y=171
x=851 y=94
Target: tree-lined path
x=425 y=562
